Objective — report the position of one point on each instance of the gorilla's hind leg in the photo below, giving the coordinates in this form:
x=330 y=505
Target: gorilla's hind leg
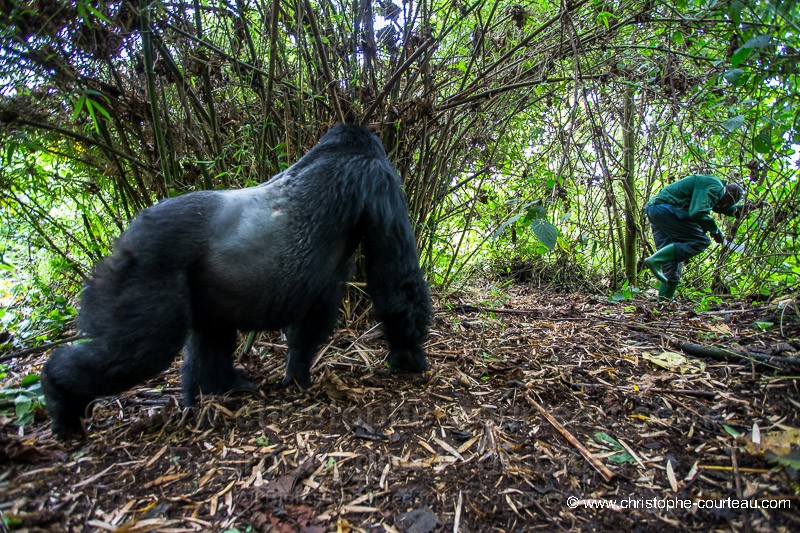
x=65 y=403
x=135 y=328
x=77 y=374
x=208 y=363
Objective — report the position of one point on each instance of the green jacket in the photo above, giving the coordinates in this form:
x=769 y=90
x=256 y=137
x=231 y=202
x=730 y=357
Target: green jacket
x=693 y=198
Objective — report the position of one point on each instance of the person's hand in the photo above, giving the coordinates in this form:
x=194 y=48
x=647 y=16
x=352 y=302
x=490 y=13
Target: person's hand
x=719 y=237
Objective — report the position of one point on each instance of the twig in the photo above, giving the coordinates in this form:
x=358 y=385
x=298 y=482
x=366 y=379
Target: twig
x=459 y=506
x=722 y=468
x=468 y=308
x=36 y=349
x=396 y=76
x=607 y=474
x=737 y=478
x=685 y=392
x=323 y=59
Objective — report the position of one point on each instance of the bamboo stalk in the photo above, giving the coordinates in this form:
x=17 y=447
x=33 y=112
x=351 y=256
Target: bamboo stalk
x=607 y=474
x=147 y=48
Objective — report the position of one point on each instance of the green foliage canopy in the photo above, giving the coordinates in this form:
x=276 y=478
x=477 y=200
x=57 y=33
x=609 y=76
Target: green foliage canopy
x=506 y=122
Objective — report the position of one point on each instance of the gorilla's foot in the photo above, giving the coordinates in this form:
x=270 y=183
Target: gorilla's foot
x=236 y=381
x=298 y=368
x=65 y=410
x=299 y=376
x=408 y=360
x=241 y=383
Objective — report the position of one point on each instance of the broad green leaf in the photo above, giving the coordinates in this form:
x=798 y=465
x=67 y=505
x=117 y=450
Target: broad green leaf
x=10 y=149
x=762 y=143
x=30 y=379
x=759 y=41
x=537 y=211
x=733 y=76
x=22 y=405
x=733 y=123
x=545 y=232
x=740 y=55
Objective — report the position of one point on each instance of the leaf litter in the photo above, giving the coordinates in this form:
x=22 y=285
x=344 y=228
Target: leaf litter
x=532 y=400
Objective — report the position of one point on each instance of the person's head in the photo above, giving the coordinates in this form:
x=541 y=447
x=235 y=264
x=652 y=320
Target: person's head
x=733 y=193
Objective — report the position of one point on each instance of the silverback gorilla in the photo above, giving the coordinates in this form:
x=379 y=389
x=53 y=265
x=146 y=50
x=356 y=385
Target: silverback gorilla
x=191 y=271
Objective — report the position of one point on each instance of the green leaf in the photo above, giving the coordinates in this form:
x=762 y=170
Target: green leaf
x=760 y=41
x=791 y=459
x=623 y=456
x=98 y=107
x=78 y=107
x=603 y=18
x=605 y=438
x=504 y=225
x=764 y=325
x=733 y=123
x=736 y=11
x=740 y=55
x=733 y=76
x=22 y=405
x=762 y=143
x=535 y=212
x=11 y=148
x=97 y=13
x=733 y=432
x=30 y=379
x=545 y=232
x=617 y=297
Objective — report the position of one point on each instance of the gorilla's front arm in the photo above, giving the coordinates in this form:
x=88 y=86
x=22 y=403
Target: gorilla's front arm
x=191 y=271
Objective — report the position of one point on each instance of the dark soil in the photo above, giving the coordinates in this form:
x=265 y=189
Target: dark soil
x=480 y=443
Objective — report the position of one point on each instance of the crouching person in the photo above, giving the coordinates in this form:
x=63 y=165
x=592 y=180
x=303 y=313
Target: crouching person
x=680 y=217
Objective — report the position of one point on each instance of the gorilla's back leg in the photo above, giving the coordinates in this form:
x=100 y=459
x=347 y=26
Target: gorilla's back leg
x=208 y=362
x=135 y=324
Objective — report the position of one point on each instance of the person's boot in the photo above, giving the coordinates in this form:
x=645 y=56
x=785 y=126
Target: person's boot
x=666 y=291
x=656 y=261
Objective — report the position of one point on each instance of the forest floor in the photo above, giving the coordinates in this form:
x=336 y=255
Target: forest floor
x=539 y=409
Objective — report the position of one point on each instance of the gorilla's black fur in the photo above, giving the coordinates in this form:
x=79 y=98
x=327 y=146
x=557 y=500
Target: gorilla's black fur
x=192 y=270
